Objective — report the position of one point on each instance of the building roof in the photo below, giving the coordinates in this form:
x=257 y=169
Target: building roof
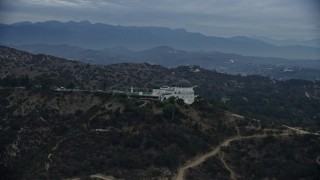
x=184 y=83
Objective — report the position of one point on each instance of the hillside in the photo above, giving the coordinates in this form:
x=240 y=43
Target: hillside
x=293 y=101
x=48 y=134
x=61 y=72
x=292 y=157
x=55 y=135
x=98 y=36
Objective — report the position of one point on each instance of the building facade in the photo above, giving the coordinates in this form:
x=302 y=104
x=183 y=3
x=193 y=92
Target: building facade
x=182 y=90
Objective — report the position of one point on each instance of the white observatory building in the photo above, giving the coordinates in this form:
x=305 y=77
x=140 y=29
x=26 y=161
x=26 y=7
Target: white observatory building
x=182 y=90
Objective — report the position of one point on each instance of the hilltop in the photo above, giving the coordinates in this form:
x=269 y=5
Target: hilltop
x=293 y=101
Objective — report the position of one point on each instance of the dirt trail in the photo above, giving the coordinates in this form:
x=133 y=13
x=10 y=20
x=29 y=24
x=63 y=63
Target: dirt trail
x=318 y=160
x=235 y=115
x=49 y=158
x=300 y=131
x=143 y=104
x=191 y=163
x=234 y=118
x=97 y=176
x=102 y=176
x=200 y=159
x=237 y=128
x=225 y=164
x=50 y=155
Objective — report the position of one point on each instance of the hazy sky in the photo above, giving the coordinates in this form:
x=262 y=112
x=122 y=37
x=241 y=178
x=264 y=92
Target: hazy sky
x=280 y=19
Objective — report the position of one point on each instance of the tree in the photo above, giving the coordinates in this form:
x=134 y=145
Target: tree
x=45 y=81
x=180 y=101
x=168 y=110
x=71 y=85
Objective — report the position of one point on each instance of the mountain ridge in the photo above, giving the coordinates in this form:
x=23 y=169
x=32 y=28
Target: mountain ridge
x=311 y=42
x=98 y=36
x=170 y=57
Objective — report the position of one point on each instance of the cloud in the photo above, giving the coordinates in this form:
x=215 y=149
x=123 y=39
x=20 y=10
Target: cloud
x=274 y=18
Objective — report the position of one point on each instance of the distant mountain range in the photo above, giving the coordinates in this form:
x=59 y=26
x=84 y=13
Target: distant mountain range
x=288 y=42
x=169 y=57
x=162 y=55
x=98 y=36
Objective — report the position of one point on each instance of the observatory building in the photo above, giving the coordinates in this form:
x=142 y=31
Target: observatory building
x=183 y=90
